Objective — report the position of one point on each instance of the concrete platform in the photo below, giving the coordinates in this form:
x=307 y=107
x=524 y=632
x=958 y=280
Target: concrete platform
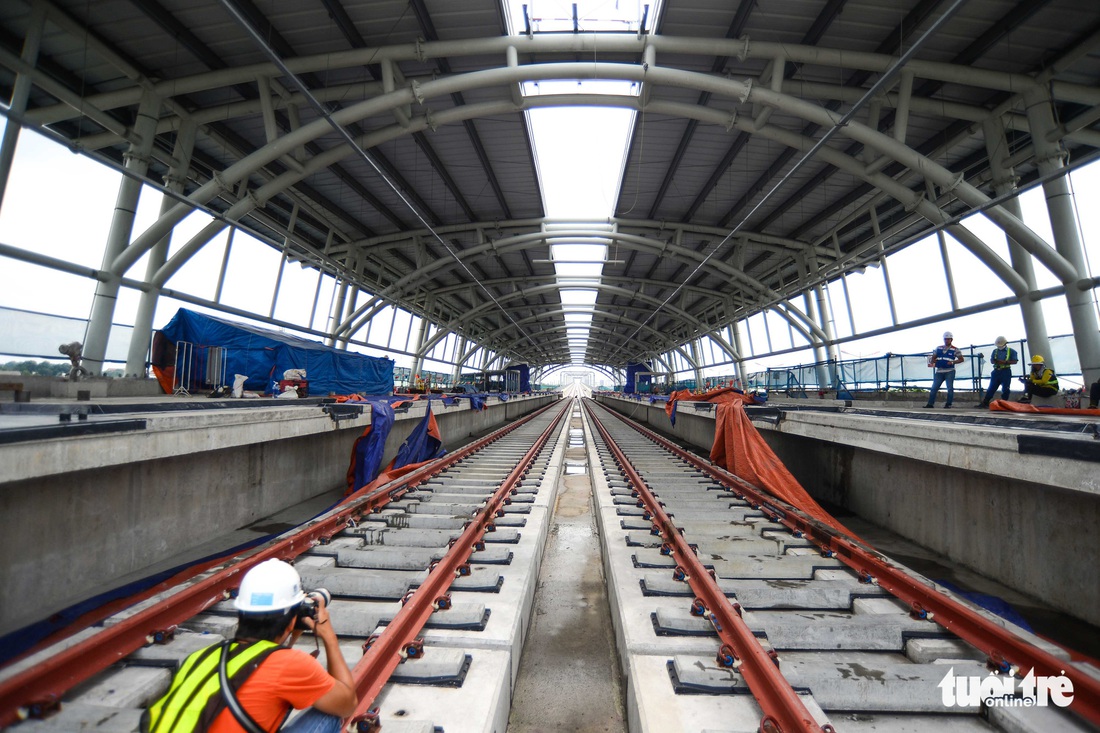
x=146 y=479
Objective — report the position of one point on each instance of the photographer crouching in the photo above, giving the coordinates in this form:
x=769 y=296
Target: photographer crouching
x=252 y=683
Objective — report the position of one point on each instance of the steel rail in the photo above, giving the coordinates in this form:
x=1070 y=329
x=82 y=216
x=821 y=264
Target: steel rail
x=398 y=641
x=39 y=688
x=1007 y=652
x=783 y=709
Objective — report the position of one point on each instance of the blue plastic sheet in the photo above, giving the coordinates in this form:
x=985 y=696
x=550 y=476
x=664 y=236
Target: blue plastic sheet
x=366 y=452
x=263 y=355
x=993 y=604
x=425 y=443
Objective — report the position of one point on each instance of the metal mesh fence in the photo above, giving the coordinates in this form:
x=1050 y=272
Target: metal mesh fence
x=901 y=371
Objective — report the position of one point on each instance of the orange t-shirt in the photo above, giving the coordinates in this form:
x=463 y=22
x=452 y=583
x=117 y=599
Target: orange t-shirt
x=289 y=678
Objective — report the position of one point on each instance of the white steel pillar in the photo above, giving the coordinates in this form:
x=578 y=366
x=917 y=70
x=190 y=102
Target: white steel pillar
x=457 y=374
x=739 y=363
x=136 y=365
x=342 y=342
x=820 y=369
x=122 y=226
x=418 y=358
x=20 y=92
x=284 y=255
x=696 y=359
x=1063 y=222
x=1004 y=182
x=337 y=310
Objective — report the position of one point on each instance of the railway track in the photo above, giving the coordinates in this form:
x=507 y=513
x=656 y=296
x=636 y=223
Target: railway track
x=437 y=568
x=731 y=611
x=716 y=587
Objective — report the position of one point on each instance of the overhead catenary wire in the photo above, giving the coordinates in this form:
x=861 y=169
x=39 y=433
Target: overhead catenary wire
x=884 y=81
x=363 y=154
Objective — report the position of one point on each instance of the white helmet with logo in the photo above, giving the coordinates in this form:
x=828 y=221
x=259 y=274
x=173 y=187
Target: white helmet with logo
x=948 y=335
x=270 y=587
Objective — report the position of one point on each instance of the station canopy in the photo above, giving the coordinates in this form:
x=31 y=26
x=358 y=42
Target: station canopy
x=773 y=145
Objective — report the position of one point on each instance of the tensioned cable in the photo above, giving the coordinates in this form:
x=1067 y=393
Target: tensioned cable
x=274 y=57
x=886 y=79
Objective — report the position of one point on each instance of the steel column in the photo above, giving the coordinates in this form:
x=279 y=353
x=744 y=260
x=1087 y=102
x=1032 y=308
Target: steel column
x=1004 y=182
x=21 y=92
x=122 y=224
x=136 y=365
x=1063 y=222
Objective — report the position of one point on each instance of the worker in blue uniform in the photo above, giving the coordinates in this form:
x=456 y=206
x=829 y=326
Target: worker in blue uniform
x=1002 y=359
x=943 y=360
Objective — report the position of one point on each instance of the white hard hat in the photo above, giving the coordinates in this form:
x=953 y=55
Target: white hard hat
x=271 y=586
x=948 y=335
x=1001 y=341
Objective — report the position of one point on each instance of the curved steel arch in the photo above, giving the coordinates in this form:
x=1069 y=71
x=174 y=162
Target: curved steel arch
x=871 y=138
x=651 y=75
x=604 y=287
x=523 y=241
x=564 y=326
x=547 y=371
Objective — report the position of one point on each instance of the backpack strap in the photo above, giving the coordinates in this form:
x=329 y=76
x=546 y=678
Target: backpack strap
x=230 y=695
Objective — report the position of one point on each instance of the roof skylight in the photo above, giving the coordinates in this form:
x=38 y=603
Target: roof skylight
x=580 y=150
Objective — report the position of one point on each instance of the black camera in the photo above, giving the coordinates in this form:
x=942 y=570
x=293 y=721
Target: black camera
x=308 y=609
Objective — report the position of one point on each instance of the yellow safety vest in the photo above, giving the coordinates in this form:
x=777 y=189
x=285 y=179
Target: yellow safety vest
x=195 y=699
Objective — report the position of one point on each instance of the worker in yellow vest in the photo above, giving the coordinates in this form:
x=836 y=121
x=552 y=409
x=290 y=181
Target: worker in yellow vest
x=254 y=681
x=1040 y=381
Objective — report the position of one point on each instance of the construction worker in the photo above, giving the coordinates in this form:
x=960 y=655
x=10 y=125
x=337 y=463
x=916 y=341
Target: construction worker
x=943 y=360
x=269 y=678
x=75 y=351
x=1041 y=381
x=1002 y=359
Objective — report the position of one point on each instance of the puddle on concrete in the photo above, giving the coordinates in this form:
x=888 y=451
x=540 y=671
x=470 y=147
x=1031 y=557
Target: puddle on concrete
x=575 y=468
x=576 y=438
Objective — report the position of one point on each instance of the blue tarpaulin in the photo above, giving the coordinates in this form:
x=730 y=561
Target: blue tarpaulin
x=425 y=443
x=366 y=452
x=263 y=355
x=637 y=382
x=524 y=376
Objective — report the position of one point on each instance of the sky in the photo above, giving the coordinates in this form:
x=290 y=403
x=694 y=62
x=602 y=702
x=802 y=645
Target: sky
x=60 y=203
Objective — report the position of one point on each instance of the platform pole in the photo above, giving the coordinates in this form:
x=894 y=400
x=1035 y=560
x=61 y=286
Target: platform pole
x=158 y=255
x=1049 y=156
x=1004 y=182
x=122 y=226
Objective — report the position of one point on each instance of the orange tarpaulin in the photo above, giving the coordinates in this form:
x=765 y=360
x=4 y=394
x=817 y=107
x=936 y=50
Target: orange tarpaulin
x=166 y=377
x=739 y=448
x=717 y=396
x=1006 y=406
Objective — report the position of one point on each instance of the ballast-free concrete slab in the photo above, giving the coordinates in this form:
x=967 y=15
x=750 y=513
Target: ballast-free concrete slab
x=479 y=705
x=654 y=707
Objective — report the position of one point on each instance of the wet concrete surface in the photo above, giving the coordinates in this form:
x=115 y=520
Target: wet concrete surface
x=569 y=678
